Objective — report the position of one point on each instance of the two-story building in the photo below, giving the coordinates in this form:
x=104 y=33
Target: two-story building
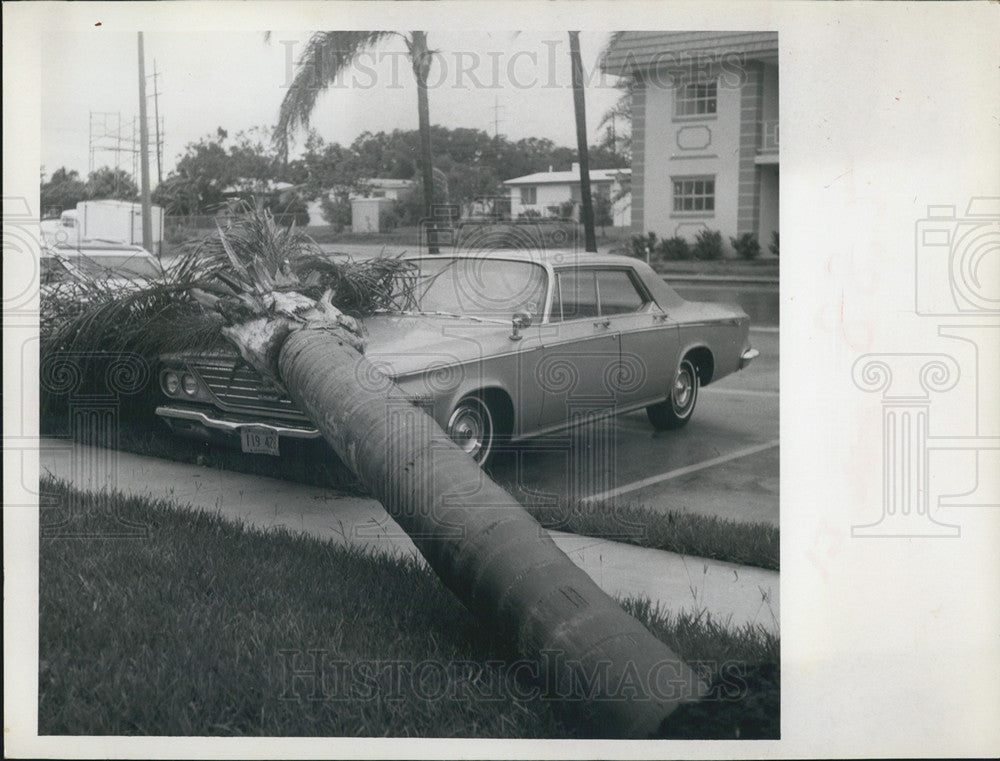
x=547 y=193
x=704 y=131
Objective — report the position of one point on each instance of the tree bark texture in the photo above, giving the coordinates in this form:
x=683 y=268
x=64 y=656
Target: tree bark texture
x=484 y=546
x=420 y=59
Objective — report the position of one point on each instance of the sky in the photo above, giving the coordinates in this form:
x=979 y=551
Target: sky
x=237 y=81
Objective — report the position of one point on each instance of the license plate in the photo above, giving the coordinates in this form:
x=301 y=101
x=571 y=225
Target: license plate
x=259 y=441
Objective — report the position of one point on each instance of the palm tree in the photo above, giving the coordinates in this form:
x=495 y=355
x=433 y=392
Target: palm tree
x=267 y=291
x=326 y=56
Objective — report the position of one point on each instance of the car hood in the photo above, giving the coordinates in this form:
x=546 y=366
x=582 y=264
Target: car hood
x=404 y=344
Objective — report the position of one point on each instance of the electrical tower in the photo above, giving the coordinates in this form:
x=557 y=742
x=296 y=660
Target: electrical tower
x=114 y=145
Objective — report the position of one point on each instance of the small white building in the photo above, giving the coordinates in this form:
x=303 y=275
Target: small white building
x=546 y=192
x=369 y=209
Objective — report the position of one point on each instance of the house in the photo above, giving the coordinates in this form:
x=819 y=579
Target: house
x=704 y=131
x=546 y=193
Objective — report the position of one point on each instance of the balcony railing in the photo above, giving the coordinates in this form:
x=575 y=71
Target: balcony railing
x=769 y=136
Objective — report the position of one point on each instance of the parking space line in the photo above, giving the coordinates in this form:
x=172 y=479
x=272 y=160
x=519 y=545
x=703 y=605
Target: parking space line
x=643 y=483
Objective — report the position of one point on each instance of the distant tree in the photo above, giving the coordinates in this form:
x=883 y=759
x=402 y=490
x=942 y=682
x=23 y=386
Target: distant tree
x=326 y=56
x=64 y=190
x=105 y=183
x=616 y=122
x=214 y=169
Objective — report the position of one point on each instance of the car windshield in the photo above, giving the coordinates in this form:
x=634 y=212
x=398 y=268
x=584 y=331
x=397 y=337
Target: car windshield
x=480 y=287
x=122 y=266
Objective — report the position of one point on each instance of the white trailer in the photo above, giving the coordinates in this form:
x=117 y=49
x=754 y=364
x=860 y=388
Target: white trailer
x=111 y=222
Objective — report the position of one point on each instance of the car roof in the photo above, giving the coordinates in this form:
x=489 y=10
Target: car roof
x=552 y=256
x=66 y=251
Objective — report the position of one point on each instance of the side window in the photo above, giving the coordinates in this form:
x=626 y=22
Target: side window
x=618 y=293
x=577 y=295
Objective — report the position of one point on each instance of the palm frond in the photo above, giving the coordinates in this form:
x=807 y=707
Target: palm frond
x=231 y=276
x=326 y=56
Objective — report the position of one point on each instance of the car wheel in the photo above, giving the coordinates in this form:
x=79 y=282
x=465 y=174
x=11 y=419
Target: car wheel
x=471 y=427
x=677 y=410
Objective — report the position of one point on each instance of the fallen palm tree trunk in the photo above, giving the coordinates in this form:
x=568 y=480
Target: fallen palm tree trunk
x=484 y=546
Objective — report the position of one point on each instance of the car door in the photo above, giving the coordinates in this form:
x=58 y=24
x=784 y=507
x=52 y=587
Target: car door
x=648 y=340
x=579 y=368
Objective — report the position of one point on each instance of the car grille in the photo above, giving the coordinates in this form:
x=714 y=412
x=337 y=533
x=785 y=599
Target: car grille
x=240 y=388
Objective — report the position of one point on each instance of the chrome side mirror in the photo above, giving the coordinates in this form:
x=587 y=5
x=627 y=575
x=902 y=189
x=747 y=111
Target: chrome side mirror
x=519 y=322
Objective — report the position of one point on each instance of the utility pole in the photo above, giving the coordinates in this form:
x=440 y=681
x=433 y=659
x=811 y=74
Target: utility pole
x=156 y=122
x=586 y=204
x=496 y=117
x=147 y=211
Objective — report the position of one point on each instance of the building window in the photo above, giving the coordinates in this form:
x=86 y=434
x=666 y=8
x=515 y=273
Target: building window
x=694 y=194
x=698 y=99
x=529 y=195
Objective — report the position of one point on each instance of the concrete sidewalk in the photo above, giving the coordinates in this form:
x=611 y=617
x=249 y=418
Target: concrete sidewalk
x=730 y=593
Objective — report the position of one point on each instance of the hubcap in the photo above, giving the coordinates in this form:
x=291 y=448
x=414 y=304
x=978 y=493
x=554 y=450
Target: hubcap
x=469 y=430
x=684 y=390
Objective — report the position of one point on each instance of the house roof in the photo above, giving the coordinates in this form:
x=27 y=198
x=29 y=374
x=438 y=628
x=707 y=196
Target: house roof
x=631 y=51
x=566 y=178
x=387 y=183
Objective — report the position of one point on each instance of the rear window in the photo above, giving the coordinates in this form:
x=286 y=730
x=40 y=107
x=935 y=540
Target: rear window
x=595 y=292
x=618 y=294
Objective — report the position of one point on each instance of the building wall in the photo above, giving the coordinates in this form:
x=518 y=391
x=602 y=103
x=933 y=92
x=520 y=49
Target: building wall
x=688 y=146
x=724 y=145
x=556 y=194
x=551 y=194
x=367 y=214
x=751 y=111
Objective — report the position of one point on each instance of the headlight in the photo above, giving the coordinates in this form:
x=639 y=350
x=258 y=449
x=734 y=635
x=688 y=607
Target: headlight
x=171 y=383
x=189 y=384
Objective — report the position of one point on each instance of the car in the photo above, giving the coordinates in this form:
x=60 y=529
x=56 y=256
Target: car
x=501 y=347
x=111 y=263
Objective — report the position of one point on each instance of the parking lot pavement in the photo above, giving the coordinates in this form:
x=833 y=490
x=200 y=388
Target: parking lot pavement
x=724 y=463
x=730 y=593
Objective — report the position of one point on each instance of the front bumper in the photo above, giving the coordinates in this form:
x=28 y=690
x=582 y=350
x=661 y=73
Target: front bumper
x=185 y=420
x=747 y=357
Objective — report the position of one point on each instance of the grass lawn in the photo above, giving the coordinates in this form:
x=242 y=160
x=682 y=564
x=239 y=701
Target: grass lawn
x=197 y=627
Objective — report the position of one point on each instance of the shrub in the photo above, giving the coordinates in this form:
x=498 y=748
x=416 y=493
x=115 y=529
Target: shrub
x=708 y=245
x=673 y=248
x=336 y=210
x=773 y=248
x=640 y=243
x=746 y=245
